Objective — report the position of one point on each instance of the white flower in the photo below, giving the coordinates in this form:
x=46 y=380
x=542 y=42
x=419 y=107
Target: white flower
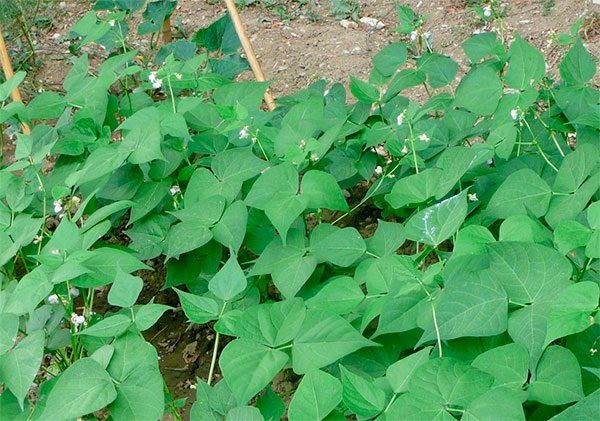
x=487 y=11
x=391 y=175
x=473 y=197
x=37 y=239
x=74 y=292
x=400 y=118
x=414 y=36
x=514 y=114
x=55 y=252
x=302 y=144
x=178 y=76
x=244 y=133
x=76 y=200
x=53 y=299
x=380 y=150
x=57 y=206
x=489 y=161
x=193 y=386
x=174 y=190
x=378 y=170
x=157 y=84
x=314 y=157
x=424 y=137
x=152 y=77
x=404 y=150
x=111 y=22
x=326 y=92
x=77 y=319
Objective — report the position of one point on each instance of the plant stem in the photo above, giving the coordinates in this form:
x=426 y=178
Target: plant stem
x=213 y=361
x=390 y=403
x=367 y=197
x=414 y=152
x=534 y=140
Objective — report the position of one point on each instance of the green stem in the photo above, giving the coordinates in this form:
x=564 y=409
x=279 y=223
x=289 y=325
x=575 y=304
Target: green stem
x=390 y=403
x=367 y=197
x=414 y=152
x=213 y=360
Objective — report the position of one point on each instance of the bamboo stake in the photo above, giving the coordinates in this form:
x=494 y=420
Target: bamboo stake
x=166 y=30
x=247 y=45
x=8 y=73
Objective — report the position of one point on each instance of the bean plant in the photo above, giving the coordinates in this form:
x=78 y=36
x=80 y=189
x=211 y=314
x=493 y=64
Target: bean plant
x=427 y=248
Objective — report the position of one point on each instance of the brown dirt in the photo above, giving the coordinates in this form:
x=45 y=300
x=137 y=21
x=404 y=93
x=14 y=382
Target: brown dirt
x=295 y=53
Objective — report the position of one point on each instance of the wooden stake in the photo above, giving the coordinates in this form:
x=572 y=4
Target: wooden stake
x=8 y=73
x=166 y=30
x=247 y=45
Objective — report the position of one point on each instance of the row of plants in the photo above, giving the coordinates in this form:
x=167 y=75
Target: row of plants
x=476 y=295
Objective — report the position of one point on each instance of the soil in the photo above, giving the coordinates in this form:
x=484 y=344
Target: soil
x=295 y=52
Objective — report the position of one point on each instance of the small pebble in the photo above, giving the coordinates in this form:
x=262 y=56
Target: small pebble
x=372 y=22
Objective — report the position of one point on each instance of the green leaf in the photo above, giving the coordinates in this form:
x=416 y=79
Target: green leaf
x=439 y=222
x=527 y=326
x=339 y=295
x=479 y=91
x=147 y=198
x=196 y=308
x=9 y=326
x=575 y=169
x=338 y=246
x=571 y=312
x=528 y=272
x=323 y=339
x=360 y=395
x=19 y=366
x=446 y=381
x=237 y=165
x=142 y=136
x=272 y=324
x=509 y=364
x=321 y=190
x=186 y=236
x=282 y=211
x=578 y=66
x=278 y=179
x=47 y=105
x=526 y=229
x=414 y=189
x=404 y=79
x=388 y=238
x=455 y=162
x=570 y=235
x=390 y=59
x=271 y=406
x=108 y=327
x=558 y=379
x=526 y=66
x=11 y=84
x=593 y=215
x=245 y=413
x=482 y=45
x=229 y=281
x=522 y=192
x=440 y=69
x=231 y=229
x=125 y=290
x=495 y=405
x=148 y=314
x=472 y=240
x=469 y=306
x=248 y=367
x=363 y=91
x=134 y=366
x=585 y=409
x=85 y=387
x=317 y=395
x=399 y=373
